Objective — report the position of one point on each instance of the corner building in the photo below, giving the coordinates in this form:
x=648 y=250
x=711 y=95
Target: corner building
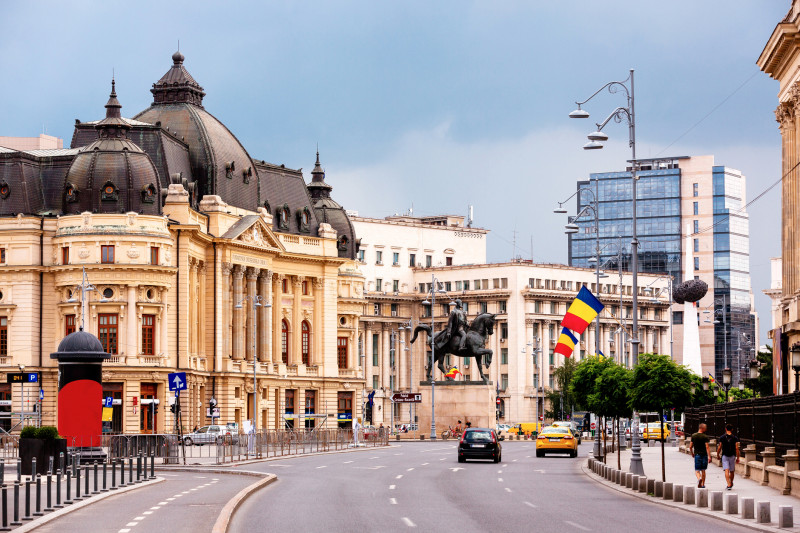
x=180 y=232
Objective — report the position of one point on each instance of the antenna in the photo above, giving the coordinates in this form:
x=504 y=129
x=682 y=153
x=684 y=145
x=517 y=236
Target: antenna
x=469 y=216
x=514 y=243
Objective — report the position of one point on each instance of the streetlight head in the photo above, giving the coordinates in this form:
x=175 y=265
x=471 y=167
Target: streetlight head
x=425 y=302
x=593 y=145
x=754 y=369
x=571 y=228
x=72 y=300
x=726 y=376
x=716 y=392
x=602 y=275
x=592 y=260
x=597 y=136
x=579 y=113
x=237 y=306
x=256 y=304
x=741 y=385
x=705 y=383
x=648 y=290
x=560 y=210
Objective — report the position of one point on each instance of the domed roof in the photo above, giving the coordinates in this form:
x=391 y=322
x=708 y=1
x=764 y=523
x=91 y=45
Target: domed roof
x=331 y=212
x=112 y=174
x=80 y=346
x=219 y=162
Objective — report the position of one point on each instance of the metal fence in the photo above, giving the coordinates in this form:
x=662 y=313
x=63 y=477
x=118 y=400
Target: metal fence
x=768 y=421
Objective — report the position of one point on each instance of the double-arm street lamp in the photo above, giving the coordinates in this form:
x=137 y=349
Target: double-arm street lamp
x=258 y=301
x=723 y=312
x=432 y=303
x=596 y=138
x=656 y=294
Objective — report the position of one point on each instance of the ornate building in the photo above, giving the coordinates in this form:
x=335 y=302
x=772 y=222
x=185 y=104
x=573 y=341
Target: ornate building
x=201 y=259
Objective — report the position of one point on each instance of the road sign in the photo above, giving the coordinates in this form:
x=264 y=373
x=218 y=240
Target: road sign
x=22 y=377
x=177 y=381
x=498 y=401
x=109 y=401
x=593 y=425
x=212 y=413
x=406 y=397
x=41 y=395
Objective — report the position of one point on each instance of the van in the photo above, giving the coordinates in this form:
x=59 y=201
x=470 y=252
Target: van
x=525 y=428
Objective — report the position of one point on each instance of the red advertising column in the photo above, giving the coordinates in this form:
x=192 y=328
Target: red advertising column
x=80 y=358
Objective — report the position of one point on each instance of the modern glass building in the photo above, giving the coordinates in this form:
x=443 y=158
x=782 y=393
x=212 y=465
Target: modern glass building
x=680 y=198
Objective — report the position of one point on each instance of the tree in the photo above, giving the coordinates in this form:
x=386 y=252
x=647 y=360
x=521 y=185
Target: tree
x=660 y=384
x=585 y=377
x=610 y=396
x=763 y=384
x=561 y=399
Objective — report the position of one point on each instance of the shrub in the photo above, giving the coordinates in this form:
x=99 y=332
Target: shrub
x=28 y=432
x=47 y=433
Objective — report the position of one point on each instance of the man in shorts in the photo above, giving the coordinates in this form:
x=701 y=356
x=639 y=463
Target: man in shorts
x=699 y=449
x=728 y=450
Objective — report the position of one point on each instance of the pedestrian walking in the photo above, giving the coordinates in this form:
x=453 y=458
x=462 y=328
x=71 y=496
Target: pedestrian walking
x=728 y=450
x=699 y=449
x=356 y=427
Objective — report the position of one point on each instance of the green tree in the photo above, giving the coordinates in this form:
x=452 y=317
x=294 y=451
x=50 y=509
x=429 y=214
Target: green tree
x=610 y=397
x=585 y=377
x=562 y=401
x=660 y=384
x=763 y=385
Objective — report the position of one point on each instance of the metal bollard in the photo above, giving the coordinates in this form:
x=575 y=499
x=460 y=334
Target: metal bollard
x=86 y=481
x=139 y=468
x=19 y=470
x=122 y=472
x=104 y=489
x=27 y=501
x=33 y=468
x=152 y=465
x=49 y=492
x=17 y=521
x=38 y=511
x=61 y=465
x=58 y=504
x=78 y=485
x=130 y=470
x=69 y=488
x=113 y=475
x=50 y=465
x=4 y=492
x=2 y=472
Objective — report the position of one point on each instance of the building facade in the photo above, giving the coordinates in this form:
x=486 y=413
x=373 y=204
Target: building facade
x=201 y=259
x=680 y=199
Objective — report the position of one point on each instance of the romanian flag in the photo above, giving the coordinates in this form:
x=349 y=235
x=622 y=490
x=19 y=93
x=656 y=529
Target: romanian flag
x=566 y=343
x=452 y=373
x=710 y=378
x=582 y=311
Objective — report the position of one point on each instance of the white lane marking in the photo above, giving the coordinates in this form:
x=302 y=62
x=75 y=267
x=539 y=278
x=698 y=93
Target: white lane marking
x=170 y=499
x=123 y=531
x=131 y=524
x=215 y=478
x=139 y=518
x=392 y=501
x=409 y=469
x=578 y=526
x=347 y=462
x=508 y=490
x=513 y=460
x=540 y=471
x=374 y=457
x=179 y=495
x=398 y=454
x=505 y=466
x=399 y=476
x=442 y=459
x=391 y=487
x=527 y=457
x=156 y=508
x=408 y=522
x=499 y=471
x=162 y=503
x=456 y=468
x=200 y=477
x=529 y=504
x=500 y=479
x=425 y=464
x=323 y=466
x=147 y=512
x=185 y=492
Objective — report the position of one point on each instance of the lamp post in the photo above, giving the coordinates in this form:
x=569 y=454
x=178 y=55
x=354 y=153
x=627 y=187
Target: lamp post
x=649 y=290
x=754 y=370
x=84 y=286
x=726 y=381
x=596 y=139
x=722 y=312
x=796 y=365
x=432 y=303
x=256 y=300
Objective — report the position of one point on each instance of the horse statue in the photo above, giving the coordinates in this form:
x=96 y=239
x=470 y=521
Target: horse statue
x=477 y=333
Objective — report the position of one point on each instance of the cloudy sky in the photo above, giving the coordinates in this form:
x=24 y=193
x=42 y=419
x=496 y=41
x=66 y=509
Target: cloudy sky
x=439 y=105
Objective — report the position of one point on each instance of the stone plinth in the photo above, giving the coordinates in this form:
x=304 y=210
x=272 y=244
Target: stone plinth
x=468 y=401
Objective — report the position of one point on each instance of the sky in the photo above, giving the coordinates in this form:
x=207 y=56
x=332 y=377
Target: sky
x=430 y=105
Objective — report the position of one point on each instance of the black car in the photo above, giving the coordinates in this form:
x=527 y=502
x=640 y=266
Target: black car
x=479 y=443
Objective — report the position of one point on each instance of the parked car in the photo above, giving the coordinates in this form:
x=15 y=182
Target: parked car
x=556 y=439
x=207 y=435
x=479 y=443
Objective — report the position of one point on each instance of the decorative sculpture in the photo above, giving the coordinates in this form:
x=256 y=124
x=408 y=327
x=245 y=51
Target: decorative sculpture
x=460 y=339
x=689 y=291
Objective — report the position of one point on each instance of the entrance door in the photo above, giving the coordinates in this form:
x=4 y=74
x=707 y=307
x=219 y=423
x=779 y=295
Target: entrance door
x=147 y=419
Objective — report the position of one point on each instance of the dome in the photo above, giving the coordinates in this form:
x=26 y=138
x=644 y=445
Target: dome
x=80 y=346
x=219 y=162
x=112 y=174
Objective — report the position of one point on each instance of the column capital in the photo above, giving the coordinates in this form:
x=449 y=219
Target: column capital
x=238 y=271
x=252 y=273
x=319 y=283
x=227 y=268
x=785 y=112
x=266 y=275
x=298 y=281
x=202 y=266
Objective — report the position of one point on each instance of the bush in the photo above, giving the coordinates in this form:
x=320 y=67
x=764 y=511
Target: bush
x=28 y=432
x=44 y=432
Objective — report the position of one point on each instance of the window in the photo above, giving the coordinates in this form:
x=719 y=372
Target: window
x=697 y=263
x=284 y=341
x=395 y=259
x=503 y=356
x=501 y=306
x=154 y=255
x=148 y=325
x=551 y=358
x=341 y=352
x=361 y=256
x=448 y=286
x=289 y=407
x=375 y=351
x=503 y=381
x=465 y=305
x=376 y=309
x=428 y=261
x=394 y=309
x=448 y=261
x=69 y=324
x=4 y=336
x=311 y=407
x=695 y=208
x=656 y=314
x=106 y=254
x=378 y=284
x=107 y=332
x=378 y=257
x=696 y=226
x=412 y=260
x=395 y=285
x=537 y=306
x=504 y=330
x=304 y=288
x=465 y=361
x=553 y=308
x=483 y=307
x=284 y=285
x=306 y=345
x=696 y=245
x=375 y=383
x=466 y=284
x=446 y=309
x=65 y=255
x=2 y=255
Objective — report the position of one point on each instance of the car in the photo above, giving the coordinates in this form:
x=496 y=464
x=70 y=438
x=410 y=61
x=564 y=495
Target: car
x=479 y=443
x=651 y=431
x=556 y=439
x=370 y=432
x=213 y=434
x=567 y=424
x=502 y=427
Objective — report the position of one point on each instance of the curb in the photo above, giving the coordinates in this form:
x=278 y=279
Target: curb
x=30 y=526
x=685 y=507
x=224 y=518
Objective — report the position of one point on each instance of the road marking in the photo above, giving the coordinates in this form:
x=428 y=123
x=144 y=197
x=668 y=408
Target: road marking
x=139 y=518
x=347 y=462
x=527 y=457
x=529 y=504
x=408 y=522
x=508 y=490
x=162 y=503
x=399 y=476
x=425 y=464
x=374 y=457
x=392 y=501
x=573 y=524
x=323 y=466
x=170 y=499
x=500 y=479
x=514 y=460
x=157 y=507
x=391 y=487
x=442 y=459
x=456 y=468
x=540 y=471
x=185 y=492
x=123 y=531
x=505 y=465
x=131 y=524
x=398 y=454
x=179 y=495
x=200 y=477
x=410 y=469
x=499 y=471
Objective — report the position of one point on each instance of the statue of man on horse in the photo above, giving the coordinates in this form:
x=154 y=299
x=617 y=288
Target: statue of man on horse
x=460 y=338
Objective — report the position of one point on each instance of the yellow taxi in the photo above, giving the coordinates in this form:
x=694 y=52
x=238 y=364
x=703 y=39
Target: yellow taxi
x=651 y=431
x=556 y=439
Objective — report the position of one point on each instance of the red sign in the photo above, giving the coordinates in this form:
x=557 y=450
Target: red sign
x=592 y=425
x=406 y=397
x=498 y=401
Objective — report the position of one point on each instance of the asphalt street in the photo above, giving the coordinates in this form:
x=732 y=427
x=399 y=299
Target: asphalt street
x=421 y=485
x=185 y=502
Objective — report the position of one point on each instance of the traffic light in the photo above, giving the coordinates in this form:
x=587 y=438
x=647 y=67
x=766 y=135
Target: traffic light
x=368 y=413
x=173 y=408
x=155 y=408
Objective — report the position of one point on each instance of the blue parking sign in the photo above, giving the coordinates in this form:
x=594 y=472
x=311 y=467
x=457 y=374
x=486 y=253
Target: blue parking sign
x=109 y=401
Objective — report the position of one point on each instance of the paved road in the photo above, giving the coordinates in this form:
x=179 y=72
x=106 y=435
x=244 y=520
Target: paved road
x=421 y=485
x=186 y=501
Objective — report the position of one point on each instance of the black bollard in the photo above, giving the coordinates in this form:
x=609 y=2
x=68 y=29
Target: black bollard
x=58 y=504
x=69 y=488
x=4 y=526
x=113 y=475
x=130 y=470
x=50 y=465
x=139 y=468
x=86 y=481
x=16 y=521
x=38 y=511
x=61 y=465
x=104 y=489
x=75 y=461
x=49 y=492
x=33 y=468
x=27 y=501
x=19 y=470
x=122 y=472
x=2 y=472
x=152 y=465
x=78 y=485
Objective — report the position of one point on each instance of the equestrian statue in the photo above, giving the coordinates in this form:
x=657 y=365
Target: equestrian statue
x=460 y=338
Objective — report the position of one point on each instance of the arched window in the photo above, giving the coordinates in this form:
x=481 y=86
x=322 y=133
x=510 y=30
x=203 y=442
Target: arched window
x=285 y=341
x=306 y=337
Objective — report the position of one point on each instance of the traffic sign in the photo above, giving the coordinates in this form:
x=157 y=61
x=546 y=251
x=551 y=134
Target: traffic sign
x=41 y=395
x=109 y=401
x=592 y=425
x=22 y=377
x=498 y=401
x=406 y=397
x=177 y=381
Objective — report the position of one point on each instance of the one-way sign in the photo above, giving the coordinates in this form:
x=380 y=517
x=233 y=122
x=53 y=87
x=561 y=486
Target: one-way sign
x=177 y=381
x=406 y=397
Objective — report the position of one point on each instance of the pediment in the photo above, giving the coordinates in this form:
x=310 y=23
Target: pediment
x=253 y=231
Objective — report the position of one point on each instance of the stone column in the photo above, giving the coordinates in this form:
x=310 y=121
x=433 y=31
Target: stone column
x=385 y=366
x=164 y=344
x=791 y=463
x=133 y=322
x=264 y=286
x=251 y=324
x=768 y=456
x=191 y=322
x=368 y=368
x=295 y=352
x=277 y=314
x=402 y=360
x=238 y=315
x=318 y=323
x=225 y=314
x=749 y=453
x=201 y=308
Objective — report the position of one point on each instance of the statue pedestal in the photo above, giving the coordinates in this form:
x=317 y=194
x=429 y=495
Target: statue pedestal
x=468 y=401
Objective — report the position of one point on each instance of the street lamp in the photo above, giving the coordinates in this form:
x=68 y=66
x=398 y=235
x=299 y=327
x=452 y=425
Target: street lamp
x=84 y=286
x=705 y=383
x=628 y=115
x=796 y=365
x=722 y=311
x=754 y=371
x=256 y=300
x=726 y=381
x=432 y=303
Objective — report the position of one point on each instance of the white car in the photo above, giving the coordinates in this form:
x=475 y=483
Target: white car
x=206 y=435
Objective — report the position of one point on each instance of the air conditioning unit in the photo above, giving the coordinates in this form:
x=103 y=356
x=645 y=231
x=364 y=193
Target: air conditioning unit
x=552 y=342
x=394 y=313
